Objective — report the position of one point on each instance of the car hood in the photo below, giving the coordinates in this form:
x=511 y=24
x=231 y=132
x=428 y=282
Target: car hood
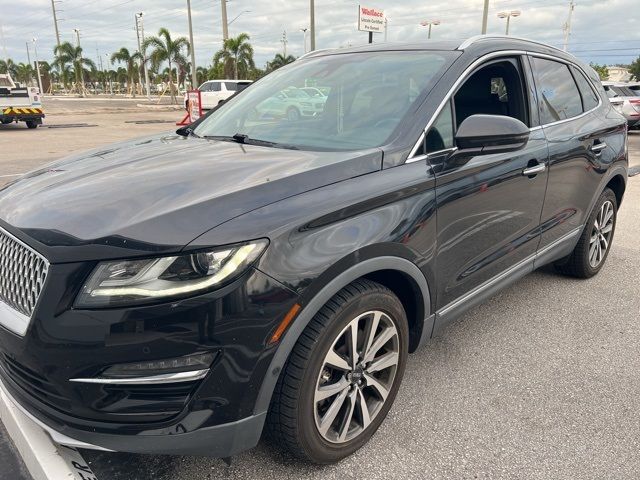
x=156 y=195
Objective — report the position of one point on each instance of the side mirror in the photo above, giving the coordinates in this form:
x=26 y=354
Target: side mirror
x=485 y=134
x=185 y=131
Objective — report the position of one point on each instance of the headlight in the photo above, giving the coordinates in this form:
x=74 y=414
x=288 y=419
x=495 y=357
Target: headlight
x=130 y=282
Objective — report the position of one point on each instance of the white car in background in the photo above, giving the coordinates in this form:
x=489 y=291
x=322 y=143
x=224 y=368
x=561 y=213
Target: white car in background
x=212 y=92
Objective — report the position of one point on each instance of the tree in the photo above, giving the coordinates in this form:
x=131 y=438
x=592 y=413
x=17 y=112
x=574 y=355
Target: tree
x=164 y=48
x=634 y=69
x=202 y=75
x=131 y=65
x=280 y=61
x=238 y=53
x=68 y=54
x=24 y=72
x=601 y=70
x=8 y=66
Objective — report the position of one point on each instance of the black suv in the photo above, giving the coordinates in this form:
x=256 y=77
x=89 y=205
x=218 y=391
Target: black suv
x=267 y=271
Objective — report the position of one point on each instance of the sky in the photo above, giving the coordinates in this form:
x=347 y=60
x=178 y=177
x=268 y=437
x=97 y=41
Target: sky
x=602 y=31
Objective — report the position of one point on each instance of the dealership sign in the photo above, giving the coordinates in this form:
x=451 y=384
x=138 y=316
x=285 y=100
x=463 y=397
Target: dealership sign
x=370 y=19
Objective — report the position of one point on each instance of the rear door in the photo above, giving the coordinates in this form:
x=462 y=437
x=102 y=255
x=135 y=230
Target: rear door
x=579 y=147
x=489 y=208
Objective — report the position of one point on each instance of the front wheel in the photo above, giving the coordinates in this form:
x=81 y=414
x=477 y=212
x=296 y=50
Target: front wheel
x=595 y=242
x=293 y=114
x=342 y=376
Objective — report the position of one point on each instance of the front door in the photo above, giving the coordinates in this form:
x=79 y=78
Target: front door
x=488 y=209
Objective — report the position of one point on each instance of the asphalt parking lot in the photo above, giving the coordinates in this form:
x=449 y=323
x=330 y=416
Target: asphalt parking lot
x=540 y=382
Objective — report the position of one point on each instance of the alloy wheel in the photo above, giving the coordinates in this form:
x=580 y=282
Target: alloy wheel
x=356 y=376
x=601 y=234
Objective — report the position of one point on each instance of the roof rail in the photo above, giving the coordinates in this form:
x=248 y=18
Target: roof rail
x=471 y=40
x=319 y=50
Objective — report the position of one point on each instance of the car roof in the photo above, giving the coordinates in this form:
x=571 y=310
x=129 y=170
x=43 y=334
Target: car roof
x=480 y=43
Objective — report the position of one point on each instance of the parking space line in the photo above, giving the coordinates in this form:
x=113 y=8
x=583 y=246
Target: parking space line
x=44 y=459
x=12 y=175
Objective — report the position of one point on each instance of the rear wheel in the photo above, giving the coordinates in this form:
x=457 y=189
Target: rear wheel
x=592 y=249
x=342 y=376
x=32 y=124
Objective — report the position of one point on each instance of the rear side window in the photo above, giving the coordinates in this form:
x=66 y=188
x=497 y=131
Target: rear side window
x=215 y=87
x=231 y=86
x=589 y=98
x=558 y=95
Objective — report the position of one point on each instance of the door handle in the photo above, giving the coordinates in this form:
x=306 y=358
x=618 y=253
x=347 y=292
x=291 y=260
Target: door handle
x=598 y=147
x=535 y=170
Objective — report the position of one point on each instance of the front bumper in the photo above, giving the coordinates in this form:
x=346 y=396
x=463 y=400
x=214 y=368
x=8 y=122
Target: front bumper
x=218 y=441
x=213 y=416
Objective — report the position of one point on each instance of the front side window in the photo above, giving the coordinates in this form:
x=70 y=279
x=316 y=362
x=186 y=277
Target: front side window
x=366 y=97
x=216 y=86
x=558 y=94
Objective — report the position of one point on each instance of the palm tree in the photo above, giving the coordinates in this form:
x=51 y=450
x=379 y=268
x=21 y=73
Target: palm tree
x=123 y=56
x=9 y=66
x=202 y=75
x=68 y=54
x=280 y=61
x=24 y=71
x=164 y=48
x=238 y=52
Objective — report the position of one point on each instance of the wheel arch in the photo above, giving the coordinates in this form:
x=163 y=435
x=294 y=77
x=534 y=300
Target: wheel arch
x=618 y=185
x=394 y=272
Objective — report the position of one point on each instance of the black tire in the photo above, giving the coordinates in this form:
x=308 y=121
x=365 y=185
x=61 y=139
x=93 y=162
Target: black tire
x=293 y=114
x=578 y=263
x=292 y=422
x=32 y=124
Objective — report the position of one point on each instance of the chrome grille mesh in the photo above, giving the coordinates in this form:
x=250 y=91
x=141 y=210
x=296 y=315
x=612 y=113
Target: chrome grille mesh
x=22 y=275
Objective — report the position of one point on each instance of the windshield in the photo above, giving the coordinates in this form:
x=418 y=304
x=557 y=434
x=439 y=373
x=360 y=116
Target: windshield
x=366 y=95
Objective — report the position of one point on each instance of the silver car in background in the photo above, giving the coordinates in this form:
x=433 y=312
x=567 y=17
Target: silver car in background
x=625 y=100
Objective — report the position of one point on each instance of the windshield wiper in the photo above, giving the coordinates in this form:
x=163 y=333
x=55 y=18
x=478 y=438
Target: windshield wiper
x=246 y=140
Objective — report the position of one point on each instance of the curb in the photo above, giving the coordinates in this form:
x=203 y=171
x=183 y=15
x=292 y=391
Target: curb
x=43 y=458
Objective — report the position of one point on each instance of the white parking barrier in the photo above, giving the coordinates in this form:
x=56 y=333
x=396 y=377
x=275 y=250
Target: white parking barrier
x=44 y=459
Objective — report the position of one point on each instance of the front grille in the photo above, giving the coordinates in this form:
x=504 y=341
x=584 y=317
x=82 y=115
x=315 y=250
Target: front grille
x=22 y=274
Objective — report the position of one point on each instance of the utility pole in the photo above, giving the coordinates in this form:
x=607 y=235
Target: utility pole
x=304 y=38
x=55 y=22
x=284 y=42
x=28 y=53
x=312 y=24
x=566 y=28
x=144 y=57
x=194 y=78
x=81 y=86
x=4 y=45
x=225 y=25
x=386 y=28
x=485 y=16
x=35 y=50
x=109 y=76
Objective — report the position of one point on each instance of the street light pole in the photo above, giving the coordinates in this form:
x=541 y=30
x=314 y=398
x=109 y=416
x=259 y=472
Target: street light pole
x=304 y=38
x=109 y=76
x=35 y=51
x=508 y=15
x=193 y=53
x=429 y=23
x=225 y=25
x=312 y=25
x=485 y=17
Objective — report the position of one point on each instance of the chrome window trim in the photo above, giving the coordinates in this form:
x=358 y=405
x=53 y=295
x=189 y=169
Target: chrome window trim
x=150 y=380
x=470 y=68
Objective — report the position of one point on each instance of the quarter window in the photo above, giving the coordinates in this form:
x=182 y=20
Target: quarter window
x=558 y=95
x=589 y=98
x=440 y=136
